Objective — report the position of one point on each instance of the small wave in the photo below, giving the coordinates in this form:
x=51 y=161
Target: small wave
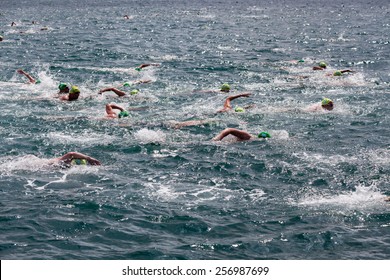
x=363 y=198
x=149 y=136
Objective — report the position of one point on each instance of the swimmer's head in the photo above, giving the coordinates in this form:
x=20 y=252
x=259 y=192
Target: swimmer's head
x=38 y=81
x=239 y=109
x=62 y=86
x=123 y=114
x=127 y=84
x=301 y=60
x=138 y=69
x=1 y=38
x=327 y=104
x=337 y=73
x=264 y=134
x=225 y=87
x=79 y=161
x=134 y=91
x=322 y=64
x=74 y=90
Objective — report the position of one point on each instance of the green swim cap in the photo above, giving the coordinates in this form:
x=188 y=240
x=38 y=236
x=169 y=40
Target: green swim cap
x=123 y=114
x=225 y=87
x=264 y=134
x=62 y=86
x=134 y=91
x=239 y=109
x=38 y=81
x=322 y=64
x=79 y=161
x=326 y=101
x=138 y=69
x=301 y=60
x=127 y=84
x=337 y=73
x=74 y=89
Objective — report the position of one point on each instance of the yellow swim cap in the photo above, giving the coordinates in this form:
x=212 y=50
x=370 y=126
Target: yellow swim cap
x=74 y=89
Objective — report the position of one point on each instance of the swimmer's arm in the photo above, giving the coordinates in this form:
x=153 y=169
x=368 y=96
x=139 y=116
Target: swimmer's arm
x=240 y=134
x=31 y=79
x=113 y=106
x=318 y=68
x=148 y=64
x=227 y=106
x=117 y=91
x=347 y=71
x=141 y=82
x=67 y=158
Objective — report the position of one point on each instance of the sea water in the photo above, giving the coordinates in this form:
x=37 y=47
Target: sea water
x=315 y=190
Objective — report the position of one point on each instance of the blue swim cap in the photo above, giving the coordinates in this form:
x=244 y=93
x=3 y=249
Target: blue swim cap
x=264 y=134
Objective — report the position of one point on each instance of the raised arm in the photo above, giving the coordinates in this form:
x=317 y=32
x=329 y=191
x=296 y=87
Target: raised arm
x=67 y=158
x=31 y=79
x=240 y=134
x=117 y=91
x=227 y=106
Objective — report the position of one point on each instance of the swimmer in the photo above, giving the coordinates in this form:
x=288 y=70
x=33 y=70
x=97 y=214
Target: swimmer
x=241 y=135
x=73 y=94
x=326 y=104
x=140 y=67
x=126 y=17
x=225 y=88
x=64 y=88
x=179 y=125
x=340 y=72
x=126 y=84
x=1 y=38
x=29 y=77
x=111 y=114
x=321 y=66
x=75 y=158
x=387 y=198
x=13 y=23
x=227 y=106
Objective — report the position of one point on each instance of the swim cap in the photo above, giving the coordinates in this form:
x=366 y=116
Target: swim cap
x=264 y=134
x=79 y=161
x=225 y=87
x=326 y=101
x=123 y=114
x=127 y=84
x=74 y=89
x=337 y=73
x=137 y=69
x=239 y=109
x=62 y=86
x=1 y=38
x=301 y=60
x=38 y=81
x=322 y=64
x=134 y=91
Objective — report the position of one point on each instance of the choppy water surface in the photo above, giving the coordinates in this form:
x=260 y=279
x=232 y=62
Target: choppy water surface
x=315 y=190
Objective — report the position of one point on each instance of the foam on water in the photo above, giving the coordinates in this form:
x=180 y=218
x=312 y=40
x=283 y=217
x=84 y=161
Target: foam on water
x=150 y=136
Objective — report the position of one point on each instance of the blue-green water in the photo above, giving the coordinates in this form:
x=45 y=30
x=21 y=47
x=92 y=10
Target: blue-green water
x=315 y=190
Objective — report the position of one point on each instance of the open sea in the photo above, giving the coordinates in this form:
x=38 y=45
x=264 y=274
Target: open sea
x=315 y=190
